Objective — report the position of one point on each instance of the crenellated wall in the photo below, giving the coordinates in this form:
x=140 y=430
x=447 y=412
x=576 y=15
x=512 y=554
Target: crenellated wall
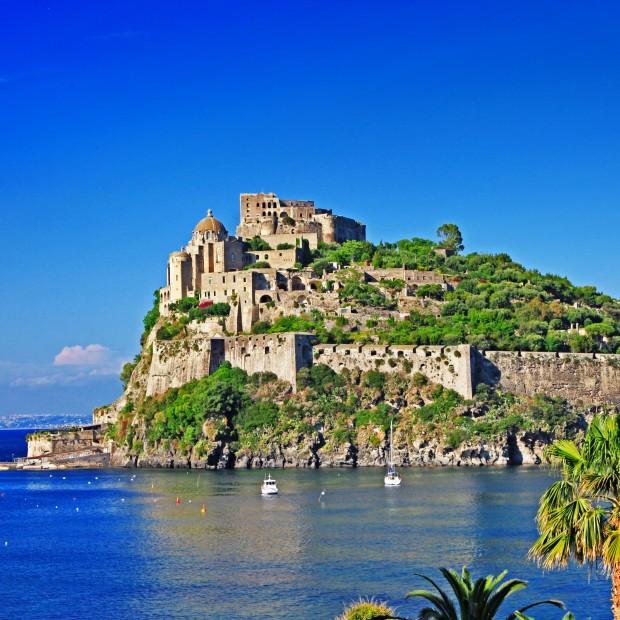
x=590 y=378
x=450 y=365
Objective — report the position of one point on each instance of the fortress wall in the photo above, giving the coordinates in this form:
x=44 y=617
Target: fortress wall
x=336 y=228
x=177 y=362
x=281 y=354
x=451 y=365
x=587 y=377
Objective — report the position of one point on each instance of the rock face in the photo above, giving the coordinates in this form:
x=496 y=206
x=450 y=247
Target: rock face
x=524 y=448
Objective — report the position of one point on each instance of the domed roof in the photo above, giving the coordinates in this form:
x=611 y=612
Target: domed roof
x=210 y=224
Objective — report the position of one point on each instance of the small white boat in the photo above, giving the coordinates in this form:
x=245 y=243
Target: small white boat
x=269 y=486
x=392 y=478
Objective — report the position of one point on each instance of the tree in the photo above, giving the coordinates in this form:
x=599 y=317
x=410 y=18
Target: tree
x=392 y=286
x=476 y=601
x=450 y=237
x=579 y=515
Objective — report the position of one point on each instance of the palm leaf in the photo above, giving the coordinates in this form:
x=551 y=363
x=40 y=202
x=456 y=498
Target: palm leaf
x=501 y=594
x=611 y=549
x=519 y=612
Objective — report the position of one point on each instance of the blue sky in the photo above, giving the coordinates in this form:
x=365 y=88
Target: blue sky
x=123 y=122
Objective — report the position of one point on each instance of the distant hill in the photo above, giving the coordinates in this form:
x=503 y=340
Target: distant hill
x=42 y=420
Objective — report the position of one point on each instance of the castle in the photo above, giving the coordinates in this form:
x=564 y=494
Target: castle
x=216 y=267
x=219 y=268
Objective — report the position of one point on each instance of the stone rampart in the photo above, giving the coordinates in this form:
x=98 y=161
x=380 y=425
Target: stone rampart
x=177 y=362
x=587 y=377
x=450 y=365
x=281 y=354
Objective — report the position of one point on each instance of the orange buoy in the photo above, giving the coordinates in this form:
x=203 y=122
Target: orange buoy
x=178 y=501
x=203 y=509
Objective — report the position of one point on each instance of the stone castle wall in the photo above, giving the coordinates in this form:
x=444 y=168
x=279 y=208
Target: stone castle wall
x=281 y=354
x=450 y=366
x=177 y=362
x=336 y=228
x=591 y=378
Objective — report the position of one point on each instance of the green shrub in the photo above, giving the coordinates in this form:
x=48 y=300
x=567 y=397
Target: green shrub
x=261 y=327
x=261 y=264
x=285 y=246
x=257 y=244
x=374 y=379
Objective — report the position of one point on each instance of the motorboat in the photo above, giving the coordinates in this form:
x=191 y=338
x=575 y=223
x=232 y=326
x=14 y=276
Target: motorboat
x=269 y=486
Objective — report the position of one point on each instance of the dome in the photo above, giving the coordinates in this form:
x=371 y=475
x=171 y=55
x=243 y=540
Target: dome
x=210 y=224
x=181 y=254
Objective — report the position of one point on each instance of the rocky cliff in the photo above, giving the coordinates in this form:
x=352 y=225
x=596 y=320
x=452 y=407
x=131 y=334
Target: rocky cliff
x=520 y=448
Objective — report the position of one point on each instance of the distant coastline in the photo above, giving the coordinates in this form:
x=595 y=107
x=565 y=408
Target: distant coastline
x=41 y=421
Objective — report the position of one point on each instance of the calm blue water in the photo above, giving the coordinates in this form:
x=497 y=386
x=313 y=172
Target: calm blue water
x=106 y=544
x=13 y=444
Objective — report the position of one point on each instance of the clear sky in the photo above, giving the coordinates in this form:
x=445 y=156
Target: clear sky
x=123 y=122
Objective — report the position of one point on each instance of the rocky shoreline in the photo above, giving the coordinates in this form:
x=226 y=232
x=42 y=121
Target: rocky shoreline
x=525 y=448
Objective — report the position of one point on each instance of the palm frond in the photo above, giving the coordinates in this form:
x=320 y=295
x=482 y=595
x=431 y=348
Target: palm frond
x=445 y=607
x=501 y=594
x=611 y=549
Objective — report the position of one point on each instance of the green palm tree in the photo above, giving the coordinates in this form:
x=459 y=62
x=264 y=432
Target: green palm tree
x=479 y=600
x=579 y=515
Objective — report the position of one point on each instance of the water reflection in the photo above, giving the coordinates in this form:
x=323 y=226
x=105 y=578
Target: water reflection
x=138 y=553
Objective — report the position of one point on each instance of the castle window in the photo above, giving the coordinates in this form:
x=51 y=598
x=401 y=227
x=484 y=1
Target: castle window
x=266 y=349
x=401 y=353
x=225 y=292
x=223 y=279
x=210 y=280
x=234 y=277
x=244 y=289
x=266 y=256
x=347 y=352
x=373 y=353
x=263 y=205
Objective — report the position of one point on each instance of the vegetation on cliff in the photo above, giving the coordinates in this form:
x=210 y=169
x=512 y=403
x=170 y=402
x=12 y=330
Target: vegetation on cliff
x=495 y=304
x=335 y=414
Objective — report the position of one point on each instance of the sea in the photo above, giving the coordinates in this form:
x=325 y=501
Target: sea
x=131 y=544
